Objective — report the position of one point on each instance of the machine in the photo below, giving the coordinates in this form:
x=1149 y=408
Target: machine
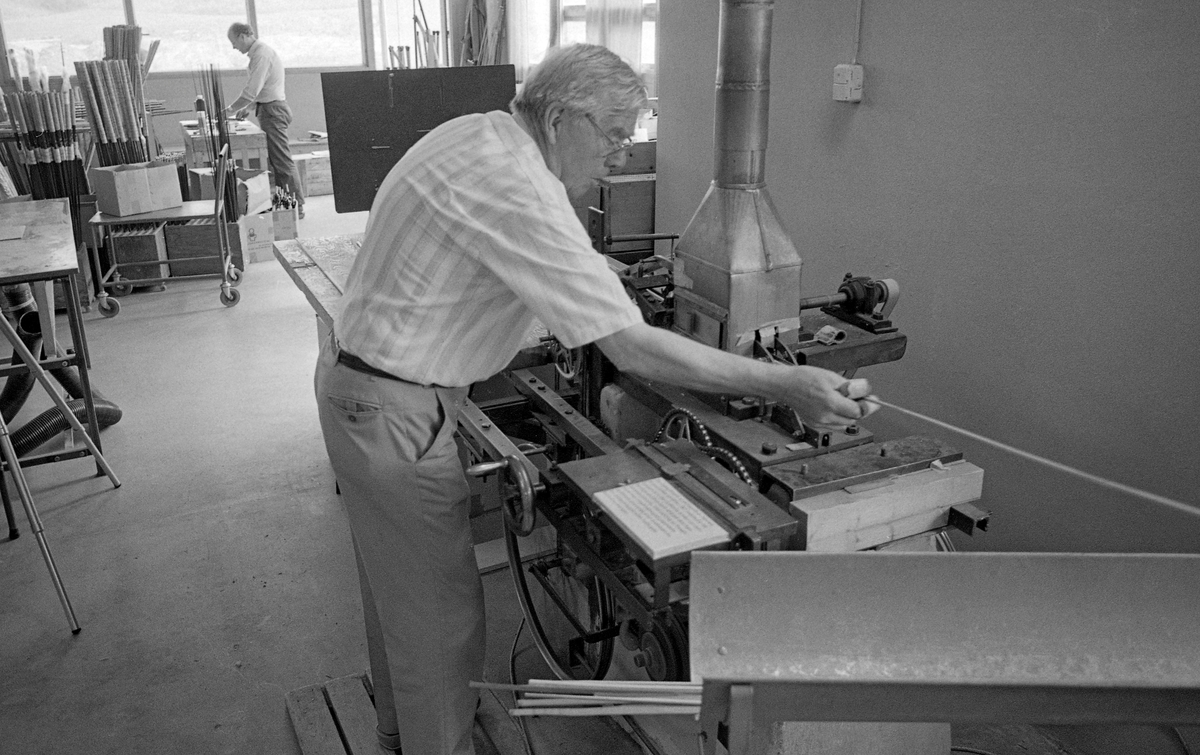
x=633 y=475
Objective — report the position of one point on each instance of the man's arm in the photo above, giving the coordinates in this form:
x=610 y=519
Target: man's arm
x=660 y=355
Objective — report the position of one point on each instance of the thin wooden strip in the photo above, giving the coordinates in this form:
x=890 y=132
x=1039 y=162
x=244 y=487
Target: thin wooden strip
x=610 y=710
x=354 y=712
x=611 y=684
x=584 y=688
x=534 y=699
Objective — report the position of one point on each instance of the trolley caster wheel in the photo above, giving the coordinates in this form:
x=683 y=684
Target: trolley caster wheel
x=235 y=276
x=109 y=307
x=231 y=297
x=122 y=289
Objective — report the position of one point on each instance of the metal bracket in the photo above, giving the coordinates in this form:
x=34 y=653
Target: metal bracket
x=967 y=517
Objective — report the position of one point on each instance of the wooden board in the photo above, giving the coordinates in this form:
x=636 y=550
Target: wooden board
x=338 y=718
x=319 y=268
x=871 y=514
x=312 y=720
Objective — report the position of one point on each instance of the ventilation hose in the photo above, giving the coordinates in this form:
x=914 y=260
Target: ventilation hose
x=18 y=304
x=19 y=385
x=51 y=422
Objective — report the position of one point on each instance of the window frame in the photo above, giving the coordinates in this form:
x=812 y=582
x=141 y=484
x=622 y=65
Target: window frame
x=366 y=27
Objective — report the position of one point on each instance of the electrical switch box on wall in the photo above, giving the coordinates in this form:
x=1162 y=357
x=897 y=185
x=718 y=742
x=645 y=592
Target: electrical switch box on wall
x=848 y=82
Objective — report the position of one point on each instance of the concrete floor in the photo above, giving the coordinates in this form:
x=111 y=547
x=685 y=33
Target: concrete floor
x=219 y=576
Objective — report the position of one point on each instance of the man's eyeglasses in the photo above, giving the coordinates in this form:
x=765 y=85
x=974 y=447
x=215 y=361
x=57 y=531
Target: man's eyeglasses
x=614 y=145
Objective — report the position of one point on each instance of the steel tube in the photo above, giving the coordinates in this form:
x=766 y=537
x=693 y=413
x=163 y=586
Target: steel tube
x=743 y=93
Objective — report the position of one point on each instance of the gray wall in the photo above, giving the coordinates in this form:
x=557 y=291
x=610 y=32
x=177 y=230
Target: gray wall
x=179 y=90
x=1029 y=172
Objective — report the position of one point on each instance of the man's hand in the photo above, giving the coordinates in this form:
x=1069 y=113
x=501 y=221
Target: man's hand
x=824 y=399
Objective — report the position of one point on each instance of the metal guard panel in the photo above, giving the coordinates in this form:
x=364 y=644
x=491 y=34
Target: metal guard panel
x=1045 y=620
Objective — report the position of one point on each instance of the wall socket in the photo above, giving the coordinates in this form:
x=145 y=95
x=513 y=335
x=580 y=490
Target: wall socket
x=848 y=82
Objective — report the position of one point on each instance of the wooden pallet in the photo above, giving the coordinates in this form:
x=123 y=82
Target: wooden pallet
x=338 y=718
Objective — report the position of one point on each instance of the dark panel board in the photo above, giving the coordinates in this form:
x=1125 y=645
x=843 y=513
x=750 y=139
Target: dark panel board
x=373 y=117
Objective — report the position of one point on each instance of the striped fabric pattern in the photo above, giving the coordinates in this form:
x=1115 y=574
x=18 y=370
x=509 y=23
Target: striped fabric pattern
x=471 y=238
x=265 y=83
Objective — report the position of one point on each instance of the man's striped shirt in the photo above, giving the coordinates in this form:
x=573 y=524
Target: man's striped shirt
x=469 y=239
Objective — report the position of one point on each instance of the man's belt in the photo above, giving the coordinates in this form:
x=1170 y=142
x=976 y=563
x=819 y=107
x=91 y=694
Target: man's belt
x=358 y=365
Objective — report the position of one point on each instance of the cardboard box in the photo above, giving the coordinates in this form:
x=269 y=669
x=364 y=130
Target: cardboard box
x=257 y=236
x=285 y=223
x=315 y=174
x=136 y=188
x=200 y=184
x=193 y=249
x=253 y=191
x=253 y=188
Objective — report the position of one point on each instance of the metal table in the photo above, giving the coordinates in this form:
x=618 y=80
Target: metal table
x=44 y=254
x=37 y=247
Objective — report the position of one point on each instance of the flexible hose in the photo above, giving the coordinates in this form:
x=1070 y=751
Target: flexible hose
x=18 y=386
x=17 y=303
x=52 y=422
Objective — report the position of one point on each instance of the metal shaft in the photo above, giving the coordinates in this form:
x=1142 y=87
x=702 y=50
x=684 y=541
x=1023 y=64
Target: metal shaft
x=35 y=521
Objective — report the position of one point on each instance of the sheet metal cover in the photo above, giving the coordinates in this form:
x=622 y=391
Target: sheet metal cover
x=998 y=618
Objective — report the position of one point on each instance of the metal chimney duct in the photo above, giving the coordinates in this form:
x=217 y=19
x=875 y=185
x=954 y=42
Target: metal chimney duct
x=736 y=269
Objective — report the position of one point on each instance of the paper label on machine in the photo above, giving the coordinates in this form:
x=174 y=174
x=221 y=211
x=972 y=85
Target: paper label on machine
x=660 y=518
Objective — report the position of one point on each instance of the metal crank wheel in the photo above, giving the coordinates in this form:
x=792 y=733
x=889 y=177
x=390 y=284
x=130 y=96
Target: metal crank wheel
x=661 y=649
x=570 y=613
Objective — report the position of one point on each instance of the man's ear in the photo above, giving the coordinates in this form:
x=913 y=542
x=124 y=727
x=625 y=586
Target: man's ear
x=553 y=120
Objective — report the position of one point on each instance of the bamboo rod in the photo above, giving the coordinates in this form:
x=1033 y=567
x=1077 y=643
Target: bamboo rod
x=610 y=710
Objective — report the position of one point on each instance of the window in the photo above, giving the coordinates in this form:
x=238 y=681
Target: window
x=311 y=33
x=192 y=33
x=627 y=27
x=59 y=33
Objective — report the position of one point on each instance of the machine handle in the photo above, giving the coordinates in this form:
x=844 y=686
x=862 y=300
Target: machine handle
x=485 y=468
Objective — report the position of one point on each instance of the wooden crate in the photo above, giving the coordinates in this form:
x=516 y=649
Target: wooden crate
x=338 y=718
x=138 y=242
x=197 y=238
x=248 y=150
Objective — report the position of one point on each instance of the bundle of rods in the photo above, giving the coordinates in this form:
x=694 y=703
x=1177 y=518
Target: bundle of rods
x=125 y=43
x=44 y=126
x=555 y=697
x=116 y=123
x=216 y=134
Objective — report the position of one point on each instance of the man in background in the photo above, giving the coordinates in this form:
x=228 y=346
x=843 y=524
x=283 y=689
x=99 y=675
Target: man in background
x=264 y=90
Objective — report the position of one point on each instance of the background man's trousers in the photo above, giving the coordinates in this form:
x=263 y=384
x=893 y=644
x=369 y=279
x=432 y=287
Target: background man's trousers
x=274 y=118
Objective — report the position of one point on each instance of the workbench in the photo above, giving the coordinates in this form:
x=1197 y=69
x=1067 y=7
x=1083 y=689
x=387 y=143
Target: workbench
x=44 y=253
x=247 y=145
x=319 y=268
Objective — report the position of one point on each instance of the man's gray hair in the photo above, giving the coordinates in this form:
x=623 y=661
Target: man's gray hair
x=584 y=79
x=239 y=29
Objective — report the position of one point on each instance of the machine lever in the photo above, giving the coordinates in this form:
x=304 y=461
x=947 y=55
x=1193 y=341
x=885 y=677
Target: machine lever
x=520 y=489
x=485 y=468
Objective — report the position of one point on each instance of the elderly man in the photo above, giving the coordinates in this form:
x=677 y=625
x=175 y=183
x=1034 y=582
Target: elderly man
x=264 y=90
x=472 y=236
